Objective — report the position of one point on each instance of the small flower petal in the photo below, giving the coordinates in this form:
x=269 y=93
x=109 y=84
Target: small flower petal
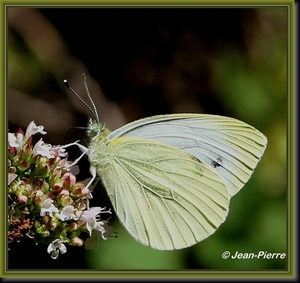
x=33 y=129
x=43 y=149
x=89 y=216
x=68 y=213
x=11 y=177
x=48 y=207
x=90 y=213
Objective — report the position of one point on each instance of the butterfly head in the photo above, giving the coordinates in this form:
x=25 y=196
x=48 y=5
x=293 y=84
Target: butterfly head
x=95 y=128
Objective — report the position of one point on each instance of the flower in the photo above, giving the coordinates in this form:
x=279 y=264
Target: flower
x=42 y=149
x=56 y=247
x=11 y=177
x=18 y=139
x=89 y=216
x=15 y=140
x=47 y=207
x=96 y=228
x=68 y=213
x=33 y=129
x=46 y=201
x=101 y=229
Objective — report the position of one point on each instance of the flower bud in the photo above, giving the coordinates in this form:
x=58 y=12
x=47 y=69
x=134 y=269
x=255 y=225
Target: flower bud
x=70 y=180
x=37 y=224
x=53 y=225
x=44 y=186
x=77 y=242
x=22 y=199
x=73 y=226
x=23 y=165
x=57 y=187
x=46 y=219
x=45 y=233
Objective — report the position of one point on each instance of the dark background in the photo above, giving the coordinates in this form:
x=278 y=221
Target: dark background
x=141 y=62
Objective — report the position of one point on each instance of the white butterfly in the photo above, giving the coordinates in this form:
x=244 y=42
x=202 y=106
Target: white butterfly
x=170 y=177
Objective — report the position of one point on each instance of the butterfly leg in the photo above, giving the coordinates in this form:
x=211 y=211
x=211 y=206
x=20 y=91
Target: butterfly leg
x=93 y=173
x=81 y=147
x=84 y=150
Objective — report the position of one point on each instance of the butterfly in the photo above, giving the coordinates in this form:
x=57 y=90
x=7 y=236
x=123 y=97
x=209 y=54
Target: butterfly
x=170 y=177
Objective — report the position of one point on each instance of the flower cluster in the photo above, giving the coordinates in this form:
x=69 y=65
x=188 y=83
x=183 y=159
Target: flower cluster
x=46 y=203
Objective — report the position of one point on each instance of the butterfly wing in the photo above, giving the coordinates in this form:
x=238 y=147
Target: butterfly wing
x=166 y=198
x=228 y=145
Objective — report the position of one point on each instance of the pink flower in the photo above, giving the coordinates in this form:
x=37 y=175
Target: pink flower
x=11 y=177
x=22 y=199
x=33 y=129
x=43 y=149
x=15 y=140
x=70 y=180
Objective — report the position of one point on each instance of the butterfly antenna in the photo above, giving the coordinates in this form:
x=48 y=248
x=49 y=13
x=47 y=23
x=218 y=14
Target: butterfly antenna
x=94 y=110
x=95 y=113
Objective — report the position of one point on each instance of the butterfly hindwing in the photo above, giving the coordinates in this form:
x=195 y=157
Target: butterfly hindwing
x=164 y=196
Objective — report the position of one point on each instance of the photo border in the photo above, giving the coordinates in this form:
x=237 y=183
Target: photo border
x=180 y=274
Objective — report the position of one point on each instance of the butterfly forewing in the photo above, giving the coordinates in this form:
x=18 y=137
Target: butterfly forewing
x=227 y=145
x=165 y=197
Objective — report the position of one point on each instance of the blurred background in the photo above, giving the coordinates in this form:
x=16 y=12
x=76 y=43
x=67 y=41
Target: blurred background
x=141 y=62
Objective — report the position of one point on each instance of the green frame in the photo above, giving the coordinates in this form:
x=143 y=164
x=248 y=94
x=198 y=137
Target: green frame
x=213 y=274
